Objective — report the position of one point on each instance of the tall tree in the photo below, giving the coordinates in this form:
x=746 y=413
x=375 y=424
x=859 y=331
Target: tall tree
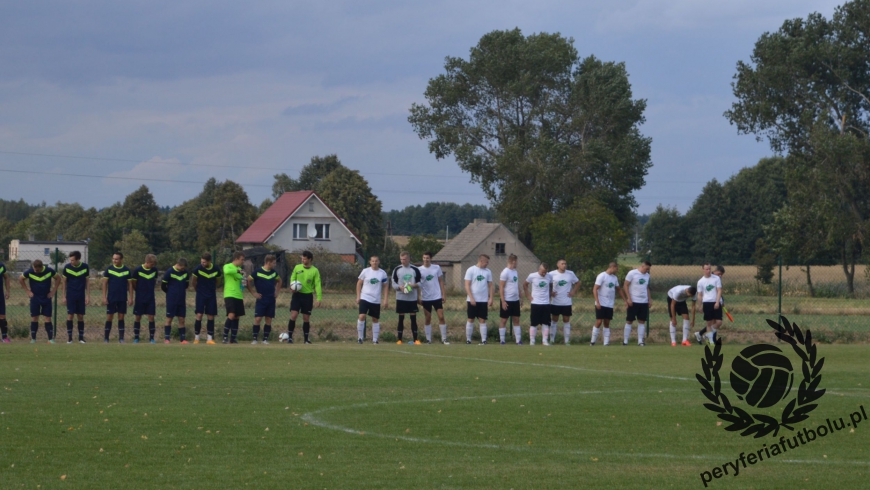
x=225 y=218
x=666 y=238
x=537 y=127
x=349 y=195
x=182 y=222
x=310 y=175
x=141 y=212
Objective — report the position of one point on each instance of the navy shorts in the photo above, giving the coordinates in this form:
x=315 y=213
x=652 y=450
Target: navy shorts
x=206 y=305
x=119 y=307
x=2 y=303
x=75 y=306
x=176 y=310
x=371 y=309
x=40 y=306
x=513 y=309
x=435 y=304
x=563 y=310
x=264 y=307
x=144 y=308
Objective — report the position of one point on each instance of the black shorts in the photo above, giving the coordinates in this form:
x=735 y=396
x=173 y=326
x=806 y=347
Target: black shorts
x=540 y=315
x=711 y=313
x=563 y=310
x=513 y=309
x=604 y=313
x=177 y=309
x=2 y=303
x=435 y=304
x=235 y=305
x=637 y=311
x=371 y=309
x=478 y=310
x=403 y=306
x=681 y=308
x=144 y=307
x=40 y=306
x=302 y=302
x=265 y=307
x=119 y=307
x=205 y=305
x=74 y=306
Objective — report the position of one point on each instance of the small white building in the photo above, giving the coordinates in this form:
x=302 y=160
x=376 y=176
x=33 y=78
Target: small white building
x=22 y=250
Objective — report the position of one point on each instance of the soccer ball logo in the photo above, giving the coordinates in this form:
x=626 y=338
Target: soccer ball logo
x=761 y=375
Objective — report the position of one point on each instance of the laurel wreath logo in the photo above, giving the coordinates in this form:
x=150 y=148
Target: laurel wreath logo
x=760 y=425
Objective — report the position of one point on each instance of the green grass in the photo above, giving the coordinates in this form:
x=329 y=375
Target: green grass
x=339 y=415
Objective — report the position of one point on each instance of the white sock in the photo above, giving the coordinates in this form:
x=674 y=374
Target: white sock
x=606 y=335
x=673 y=330
x=360 y=328
x=553 y=329
x=641 y=332
x=469 y=330
x=209 y=338
x=518 y=333
x=428 y=329
x=533 y=332
x=566 y=332
x=627 y=333
x=195 y=336
x=501 y=332
x=545 y=335
x=443 y=332
x=376 y=330
x=595 y=332
x=686 y=327
x=483 y=332
x=710 y=334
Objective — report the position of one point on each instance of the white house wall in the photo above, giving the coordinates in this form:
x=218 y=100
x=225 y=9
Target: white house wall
x=340 y=240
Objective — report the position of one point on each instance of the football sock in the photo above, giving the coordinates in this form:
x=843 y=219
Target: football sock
x=291 y=326
x=595 y=332
x=209 y=329
x=518 y=333
x=267 y=330
x=545 y=334
x=182 y=333
x=152 y=329
x=428 y=329
x=443 y=332
x=711 y=335
x=34 y=327
x=376 y=331
x=483 y=332
x=197 y=327
x=401 y=329
x=360 y=328
x=553 y=328
x=69 y=329
x=227 y=325
x=167 y=331
x=137 y=326
x=533 y=332
x=414 y=327
x=81 y=326
x=469 y=330
x=606 y=335
x=107 y=330
x=627 y=333
x=641 y=332
x=121 y=329
x=255 y=331
x=686 y=327
x=49 y=329
x=673 y=330
x=234 y=328
x=566 y=332
x=306 y=329
x=4 y=329
x=501 y=333
x=703 y=331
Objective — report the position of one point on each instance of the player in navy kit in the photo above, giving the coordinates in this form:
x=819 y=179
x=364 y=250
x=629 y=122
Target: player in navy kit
x=77 y=294
x=144 y=284
x=175 y=282
x=117 y=294
x=4 y=295
x=37 y=281
x=264 y=284
x=204 y=279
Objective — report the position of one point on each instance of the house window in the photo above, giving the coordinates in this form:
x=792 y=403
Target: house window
x=322 y=232
x=499 y=248
x=300 y=231
x=310 y=206
x=47 y=251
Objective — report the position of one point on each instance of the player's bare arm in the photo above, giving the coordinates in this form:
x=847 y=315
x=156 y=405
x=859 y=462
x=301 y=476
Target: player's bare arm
x=468 y=292
x=24 y=285
x=359 y=284
x=63 y=291
x=491 y=293
x=595 y=289
x=626 y=296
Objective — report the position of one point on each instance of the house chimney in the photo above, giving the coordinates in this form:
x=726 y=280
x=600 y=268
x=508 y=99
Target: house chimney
x=478 y=221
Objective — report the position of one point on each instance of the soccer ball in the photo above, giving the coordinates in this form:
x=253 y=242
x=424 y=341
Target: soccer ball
x=284 y=337
x=295 y=285
x=761 y=375
x=407 y=288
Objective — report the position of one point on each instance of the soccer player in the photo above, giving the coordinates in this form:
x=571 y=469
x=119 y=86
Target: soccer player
x=234 y=298
x=264 y=284
x=509 y=290
x=479 y=288
x=175 y=282
x=717 y=271
x=204 y=279
x=76 y=293
x=406 y=281
x=565 y=285
x=117 y=294
x=604 y=291
x=637 y=301
x=144 y=284
x=4 y=295
x=432 y=296
x=40 y=291
x=541 y=290
x=303 y=300
x=371 y=286
x=710 y=295
x=677 y=297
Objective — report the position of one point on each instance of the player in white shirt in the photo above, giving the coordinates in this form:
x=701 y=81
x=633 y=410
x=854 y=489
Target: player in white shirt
x=371 y=287
x=677 y=297
x=637 y=301
x=511 y=302
x=710 y=295
x=565 y=286
x=433 y=296
x=604 y=291
x=717 y=271
x=479 y=288
x=541 y=285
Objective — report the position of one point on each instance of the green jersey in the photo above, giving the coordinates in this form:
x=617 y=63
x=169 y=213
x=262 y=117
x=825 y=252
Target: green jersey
x=233 y=281
x=310 y=279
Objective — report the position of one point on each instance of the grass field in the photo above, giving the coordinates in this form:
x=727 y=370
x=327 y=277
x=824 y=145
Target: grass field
x=339 y=415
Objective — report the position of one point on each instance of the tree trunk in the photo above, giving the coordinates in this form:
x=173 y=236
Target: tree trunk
x=810 y=282
x=849 y=268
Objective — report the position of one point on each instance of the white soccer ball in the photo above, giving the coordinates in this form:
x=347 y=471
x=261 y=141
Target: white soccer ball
x=284 y=337
x=295 y=286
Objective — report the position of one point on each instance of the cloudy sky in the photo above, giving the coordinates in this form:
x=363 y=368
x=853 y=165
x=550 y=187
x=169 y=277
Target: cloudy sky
x=180 y=91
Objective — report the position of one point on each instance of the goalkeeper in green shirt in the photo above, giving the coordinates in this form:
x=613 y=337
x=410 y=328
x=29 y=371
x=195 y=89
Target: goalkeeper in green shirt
x=304 y=282
x=234 y=299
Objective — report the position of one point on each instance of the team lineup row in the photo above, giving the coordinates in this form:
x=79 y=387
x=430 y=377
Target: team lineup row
x=550 y=294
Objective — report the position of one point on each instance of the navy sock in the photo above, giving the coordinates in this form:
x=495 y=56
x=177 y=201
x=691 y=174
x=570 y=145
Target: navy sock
x=81 y=327
x=49 y=329
x=182 y=333
x=266 y=331
x=108 y=330
x=234 y=327
x=209 y=327
x=197 y=326
x=4 y=329
x=255 y=330
x=137 y=326
x=167 y=332
x=69 y=329
x=152 y=329
x=120 y=329
x=414 y=327
x=34 y=327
